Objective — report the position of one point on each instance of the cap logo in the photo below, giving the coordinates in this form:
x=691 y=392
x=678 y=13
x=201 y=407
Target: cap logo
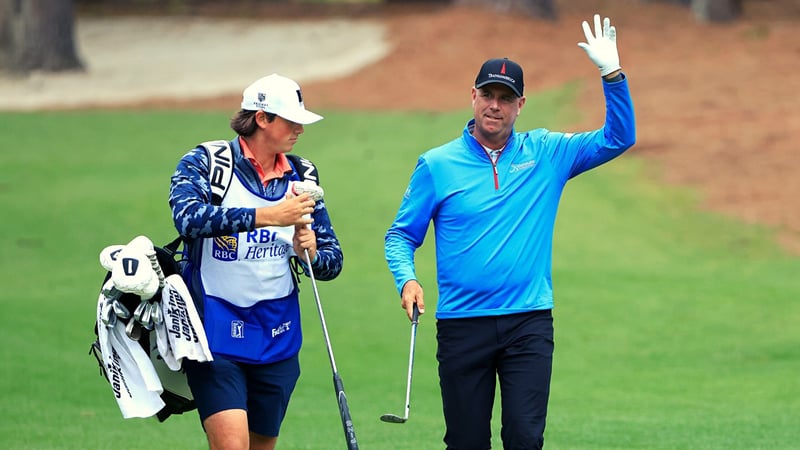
x=503 y=71
x=261 y=96
x=500 y=75
x=299 y=97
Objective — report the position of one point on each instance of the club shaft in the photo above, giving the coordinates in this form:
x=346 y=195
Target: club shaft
x=338 y=386
x=321 y=314
x=414 y=322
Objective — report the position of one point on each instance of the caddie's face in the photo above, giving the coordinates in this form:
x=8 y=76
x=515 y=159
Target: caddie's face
x=281 y=134
x=495 y=108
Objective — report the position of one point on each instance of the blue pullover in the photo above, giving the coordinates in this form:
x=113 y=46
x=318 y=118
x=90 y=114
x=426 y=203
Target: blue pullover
x=493 y=223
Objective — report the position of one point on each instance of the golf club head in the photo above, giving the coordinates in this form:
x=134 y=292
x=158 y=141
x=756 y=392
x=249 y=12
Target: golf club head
x=133 y=329
x=108 y=255
x=391 y=418
x=147 y=317
x=139 y=313
x=157 y=314
x=307 y=187
x=107 y=315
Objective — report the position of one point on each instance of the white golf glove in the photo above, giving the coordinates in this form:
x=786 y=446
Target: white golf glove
x=602 y=46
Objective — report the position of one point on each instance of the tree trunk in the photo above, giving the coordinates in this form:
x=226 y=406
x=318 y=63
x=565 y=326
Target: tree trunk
x=716 y=10
x=543 y=9
x=37 y=35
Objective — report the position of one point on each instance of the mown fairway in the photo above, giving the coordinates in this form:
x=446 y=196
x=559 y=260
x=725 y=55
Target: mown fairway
x=675 y=328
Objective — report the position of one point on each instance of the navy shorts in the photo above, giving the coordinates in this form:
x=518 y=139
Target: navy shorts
x=263 y=390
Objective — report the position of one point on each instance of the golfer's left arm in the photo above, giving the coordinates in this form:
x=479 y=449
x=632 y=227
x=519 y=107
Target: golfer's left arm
x=619 y=131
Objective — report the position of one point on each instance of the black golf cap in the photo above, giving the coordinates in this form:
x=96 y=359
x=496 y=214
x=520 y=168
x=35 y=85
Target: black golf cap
x=503 y=71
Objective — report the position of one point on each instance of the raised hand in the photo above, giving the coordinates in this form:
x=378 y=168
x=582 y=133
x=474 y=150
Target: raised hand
x=601 y=47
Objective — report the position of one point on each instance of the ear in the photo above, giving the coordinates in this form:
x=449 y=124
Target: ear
x=261 y=119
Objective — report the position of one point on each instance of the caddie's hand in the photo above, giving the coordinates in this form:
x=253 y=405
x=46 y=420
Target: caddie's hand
x=295 y=210
x=601 y=47
x=304 y=239
x=412 y=293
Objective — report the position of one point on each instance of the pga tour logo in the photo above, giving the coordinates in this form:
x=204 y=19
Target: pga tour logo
x=225 y=248
x=237 y=329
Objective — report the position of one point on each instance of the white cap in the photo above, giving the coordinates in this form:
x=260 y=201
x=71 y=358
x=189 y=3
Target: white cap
x=278 y=95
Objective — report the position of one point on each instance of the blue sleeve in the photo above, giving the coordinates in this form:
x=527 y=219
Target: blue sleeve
x=579 y=152
x=408 y=230
x=190 y=200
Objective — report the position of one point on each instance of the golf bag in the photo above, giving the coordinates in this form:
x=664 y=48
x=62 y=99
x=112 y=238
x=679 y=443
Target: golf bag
x=176 y=395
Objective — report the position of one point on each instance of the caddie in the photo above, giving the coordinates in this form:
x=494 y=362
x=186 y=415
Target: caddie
x=243 y=234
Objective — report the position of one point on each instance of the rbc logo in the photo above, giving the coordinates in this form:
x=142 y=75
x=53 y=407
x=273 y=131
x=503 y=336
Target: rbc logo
x=225 y=248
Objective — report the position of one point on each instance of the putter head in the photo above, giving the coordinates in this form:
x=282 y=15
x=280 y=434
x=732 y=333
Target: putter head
x=391 y=418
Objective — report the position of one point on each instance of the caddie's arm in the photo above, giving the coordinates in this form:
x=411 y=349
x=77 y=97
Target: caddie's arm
x=295 y=210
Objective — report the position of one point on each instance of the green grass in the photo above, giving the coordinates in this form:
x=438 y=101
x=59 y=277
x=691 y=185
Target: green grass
x=675 y=328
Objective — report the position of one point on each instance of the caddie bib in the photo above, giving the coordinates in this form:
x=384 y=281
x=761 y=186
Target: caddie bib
x=251 y=311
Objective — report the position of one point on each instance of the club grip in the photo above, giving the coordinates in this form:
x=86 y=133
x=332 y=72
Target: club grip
x=344 y=412
x=415 y=314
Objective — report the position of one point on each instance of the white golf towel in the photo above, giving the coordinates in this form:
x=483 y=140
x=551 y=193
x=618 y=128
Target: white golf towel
x=181 y=335
x=133 y=379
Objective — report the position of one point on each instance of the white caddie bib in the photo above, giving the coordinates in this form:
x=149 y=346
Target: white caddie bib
x=252 y=266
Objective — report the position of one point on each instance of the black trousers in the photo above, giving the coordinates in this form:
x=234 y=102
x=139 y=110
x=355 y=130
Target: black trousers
x=473 y=354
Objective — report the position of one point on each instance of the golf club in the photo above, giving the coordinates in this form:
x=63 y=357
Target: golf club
x=392 y=418
x=344 y=409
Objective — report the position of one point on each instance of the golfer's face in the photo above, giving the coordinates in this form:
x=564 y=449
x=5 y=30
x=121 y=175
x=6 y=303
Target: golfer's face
x=495 y=107
x=282 y=134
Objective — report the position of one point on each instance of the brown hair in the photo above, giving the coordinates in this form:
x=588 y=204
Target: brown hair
x=244 y=121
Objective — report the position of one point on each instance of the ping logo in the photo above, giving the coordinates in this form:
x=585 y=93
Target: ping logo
x=220 y=166
x=225 y=248
x=237 y=329
x=223 y=161
x=308 y=170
